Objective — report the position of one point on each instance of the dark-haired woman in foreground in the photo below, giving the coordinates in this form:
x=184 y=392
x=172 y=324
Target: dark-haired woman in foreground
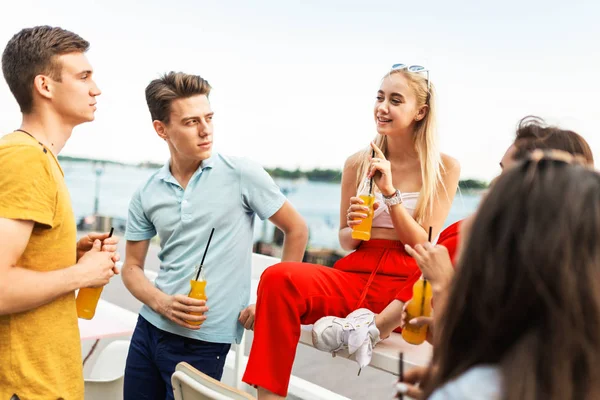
x=522 y=316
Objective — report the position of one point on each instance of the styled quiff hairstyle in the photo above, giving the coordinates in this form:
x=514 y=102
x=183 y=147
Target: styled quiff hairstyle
x=161 y=92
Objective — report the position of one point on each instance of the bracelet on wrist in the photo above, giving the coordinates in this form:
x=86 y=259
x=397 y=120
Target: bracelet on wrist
x=395 y=198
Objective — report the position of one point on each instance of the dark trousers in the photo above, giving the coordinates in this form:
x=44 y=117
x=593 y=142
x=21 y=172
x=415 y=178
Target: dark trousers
x=154 y=354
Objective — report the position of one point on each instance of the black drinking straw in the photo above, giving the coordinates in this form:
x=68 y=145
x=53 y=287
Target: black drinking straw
x=205 y=251
x=401 y=374
x=112 y=229
x=371 y=181
x=425 y=280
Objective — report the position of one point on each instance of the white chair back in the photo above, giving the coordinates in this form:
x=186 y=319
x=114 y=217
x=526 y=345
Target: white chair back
x=105 y=380
x=191 y=384
x=260 y=262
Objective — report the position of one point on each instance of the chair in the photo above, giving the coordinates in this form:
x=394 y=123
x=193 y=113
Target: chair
x=191 y=384
x=105 y=380
x=150 y=275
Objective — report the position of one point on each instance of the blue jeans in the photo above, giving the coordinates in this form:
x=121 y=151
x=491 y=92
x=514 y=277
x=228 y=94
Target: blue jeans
x=154 y=354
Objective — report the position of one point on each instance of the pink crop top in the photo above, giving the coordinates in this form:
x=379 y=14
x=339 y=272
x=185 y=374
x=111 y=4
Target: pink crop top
x=382 y=218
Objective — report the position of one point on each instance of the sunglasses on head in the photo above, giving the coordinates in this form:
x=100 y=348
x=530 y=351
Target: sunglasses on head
x=552 y=155
x=413 y=68
x=538 y=155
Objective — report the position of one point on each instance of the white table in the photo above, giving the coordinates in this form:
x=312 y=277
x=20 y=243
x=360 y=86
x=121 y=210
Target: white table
x=110 y=321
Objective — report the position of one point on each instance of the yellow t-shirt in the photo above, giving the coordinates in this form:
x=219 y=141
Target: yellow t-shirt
x=40 y=349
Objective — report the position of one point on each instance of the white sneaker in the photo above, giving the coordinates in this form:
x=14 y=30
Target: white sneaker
x=357 y=332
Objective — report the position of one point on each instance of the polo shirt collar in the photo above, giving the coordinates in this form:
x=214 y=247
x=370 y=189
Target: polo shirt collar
x=165 y=172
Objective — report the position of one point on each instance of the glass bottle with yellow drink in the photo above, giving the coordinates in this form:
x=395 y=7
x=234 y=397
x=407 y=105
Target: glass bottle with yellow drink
x=362 y=231
x=88 y=297
x=419 y=306
x=197 y=291
x=198 y=285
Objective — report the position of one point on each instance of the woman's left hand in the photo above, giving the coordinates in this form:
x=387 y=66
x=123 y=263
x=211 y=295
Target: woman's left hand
x=417 y=322
x=434 y=261
x=413 y=380
x=383 y=179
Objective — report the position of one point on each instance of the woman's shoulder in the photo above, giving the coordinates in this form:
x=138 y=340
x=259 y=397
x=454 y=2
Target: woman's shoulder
x=449 y=162
x=450 y=170
x=353 y=161
x=353 y=158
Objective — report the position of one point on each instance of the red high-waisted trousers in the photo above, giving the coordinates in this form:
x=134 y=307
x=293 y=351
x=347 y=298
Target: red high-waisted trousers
x=291 y=294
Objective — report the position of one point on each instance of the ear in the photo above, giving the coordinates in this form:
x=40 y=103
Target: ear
x=422 y=113
x=43 y=86
x=160 y=129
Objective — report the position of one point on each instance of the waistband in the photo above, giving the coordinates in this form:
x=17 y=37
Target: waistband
x=376 y=244
x=381 y=244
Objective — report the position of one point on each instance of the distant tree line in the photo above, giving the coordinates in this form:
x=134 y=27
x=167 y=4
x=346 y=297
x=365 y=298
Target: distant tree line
x=335 y=176
x=472 y=184
x=318 y=175
x=315 y=175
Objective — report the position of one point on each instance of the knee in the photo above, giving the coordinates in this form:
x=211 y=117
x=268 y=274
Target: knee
x=277 y=272
x=277 y=276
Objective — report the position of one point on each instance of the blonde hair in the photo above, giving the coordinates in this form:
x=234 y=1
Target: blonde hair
x=426 y=144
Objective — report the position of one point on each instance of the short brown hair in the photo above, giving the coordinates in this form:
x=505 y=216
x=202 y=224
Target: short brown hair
x=533 y=133
x=161 y=92
x=33 y=51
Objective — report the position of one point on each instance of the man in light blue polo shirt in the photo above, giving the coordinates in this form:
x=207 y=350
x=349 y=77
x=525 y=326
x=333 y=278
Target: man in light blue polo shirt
x=196 y=190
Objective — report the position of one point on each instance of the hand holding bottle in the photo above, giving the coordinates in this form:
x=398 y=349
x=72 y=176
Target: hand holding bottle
x=183 y=310
x=358 y=211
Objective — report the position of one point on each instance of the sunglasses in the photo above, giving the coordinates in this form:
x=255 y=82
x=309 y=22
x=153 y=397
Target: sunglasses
x=413 y=68
x=552 y=155
x=538 y=155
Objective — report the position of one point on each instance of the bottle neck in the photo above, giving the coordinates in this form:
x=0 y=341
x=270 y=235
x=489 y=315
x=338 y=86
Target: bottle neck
x=199 y=276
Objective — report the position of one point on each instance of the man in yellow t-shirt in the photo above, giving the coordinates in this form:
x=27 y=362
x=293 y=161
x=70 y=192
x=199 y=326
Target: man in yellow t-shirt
x=41 y=263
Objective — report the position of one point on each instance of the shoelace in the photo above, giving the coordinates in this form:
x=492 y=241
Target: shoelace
x=355 y=335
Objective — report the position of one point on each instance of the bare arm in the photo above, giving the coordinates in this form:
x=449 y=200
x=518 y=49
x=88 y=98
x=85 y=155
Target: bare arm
x=348 y=191
x=445 y=197
x=295 y=230
x=133 y=274
x=177 y=308
x=408 y=230
x=22 y=289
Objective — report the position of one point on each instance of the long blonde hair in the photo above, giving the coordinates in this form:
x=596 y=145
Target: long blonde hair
x=426 y=144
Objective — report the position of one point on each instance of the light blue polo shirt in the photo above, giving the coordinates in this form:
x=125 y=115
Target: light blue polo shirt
x=225 y=193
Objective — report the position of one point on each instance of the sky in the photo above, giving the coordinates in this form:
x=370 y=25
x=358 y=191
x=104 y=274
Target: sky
x=294 y=82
